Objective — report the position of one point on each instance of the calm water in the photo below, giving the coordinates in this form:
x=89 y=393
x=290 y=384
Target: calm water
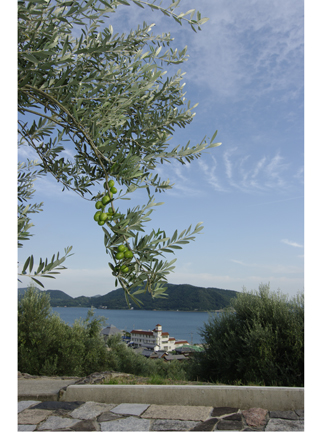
x=180 y=325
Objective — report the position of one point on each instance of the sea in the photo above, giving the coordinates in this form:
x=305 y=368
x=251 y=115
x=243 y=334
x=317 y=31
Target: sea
x=180 y=325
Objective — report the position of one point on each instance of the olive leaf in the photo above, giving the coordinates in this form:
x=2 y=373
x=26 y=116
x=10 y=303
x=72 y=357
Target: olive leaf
x=97 y=106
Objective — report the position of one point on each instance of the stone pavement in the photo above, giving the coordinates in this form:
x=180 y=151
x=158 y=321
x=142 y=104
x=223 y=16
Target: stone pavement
x=51 y=415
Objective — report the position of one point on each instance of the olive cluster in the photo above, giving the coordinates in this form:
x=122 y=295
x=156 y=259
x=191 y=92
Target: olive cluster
x=123 y=253
x=101 y=216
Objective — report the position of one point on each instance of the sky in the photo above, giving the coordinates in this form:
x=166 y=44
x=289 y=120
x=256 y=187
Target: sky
x=246 y=71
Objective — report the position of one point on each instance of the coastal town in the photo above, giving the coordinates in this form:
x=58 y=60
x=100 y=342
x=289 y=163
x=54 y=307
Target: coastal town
x=154 y=343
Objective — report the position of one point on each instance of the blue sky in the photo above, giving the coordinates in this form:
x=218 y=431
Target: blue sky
x=246 y=72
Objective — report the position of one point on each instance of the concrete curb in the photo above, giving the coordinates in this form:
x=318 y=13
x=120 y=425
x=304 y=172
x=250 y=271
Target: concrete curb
x=42 y=389
x=244 y=397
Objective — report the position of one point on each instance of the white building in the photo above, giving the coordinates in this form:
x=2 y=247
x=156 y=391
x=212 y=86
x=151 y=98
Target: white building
x=155 y=340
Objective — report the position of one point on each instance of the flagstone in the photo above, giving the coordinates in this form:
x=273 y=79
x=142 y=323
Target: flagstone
x=26 y=428
x=56 y=423
x=174 y=425
x=281 y=425
x=22 y=405
x=126 y=424
x=287 y=415
x=34 y=416
x=220 y=411
x=177 y=412
x=59 y=405
x=90 y=410
x=130 y=409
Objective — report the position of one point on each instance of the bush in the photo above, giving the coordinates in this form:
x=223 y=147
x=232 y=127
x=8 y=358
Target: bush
x=48 y=346
x=259 y=341
x=123 y=359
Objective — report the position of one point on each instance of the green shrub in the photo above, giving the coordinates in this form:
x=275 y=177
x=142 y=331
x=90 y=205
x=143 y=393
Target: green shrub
x=260 y=341
x=123 y=359
x=48 y=346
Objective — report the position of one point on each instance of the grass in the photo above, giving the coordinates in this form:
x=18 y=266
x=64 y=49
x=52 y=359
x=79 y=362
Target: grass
x=152 y=380
x=159 y=380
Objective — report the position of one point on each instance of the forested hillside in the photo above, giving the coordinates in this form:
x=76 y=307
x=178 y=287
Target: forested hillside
x=180 y=297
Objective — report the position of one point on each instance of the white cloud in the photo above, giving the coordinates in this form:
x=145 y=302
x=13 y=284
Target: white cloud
x=288 y=284
x=227 y=162
x=274 y=171
x=239 y=262
x=249 y=174
x=258 y=167
x=290 y=243
x=252 y=47
x=272 y=268
x=26 y=152
x=209 y=174
x=48 y=186
x=80 y=281
x=300 y=175
x=251 y=42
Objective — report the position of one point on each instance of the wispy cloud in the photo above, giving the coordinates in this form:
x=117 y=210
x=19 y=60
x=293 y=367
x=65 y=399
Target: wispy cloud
x=274 y=170
x=26 y=152
x=209 y=174
x=48 y=186
x=180 y=177
x=276 y=201
x=300 y=175
x=239 y=262
x=248 y=174
x=228 y=163
x=271 y=268
x=293 y=283
x=290 y=243
x=246 y=47
x=253 y=42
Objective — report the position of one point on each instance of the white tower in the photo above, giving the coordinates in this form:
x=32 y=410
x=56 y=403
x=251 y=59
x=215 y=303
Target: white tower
x=158 y=336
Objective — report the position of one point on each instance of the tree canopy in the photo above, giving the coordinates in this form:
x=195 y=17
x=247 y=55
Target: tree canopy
x=106 y=99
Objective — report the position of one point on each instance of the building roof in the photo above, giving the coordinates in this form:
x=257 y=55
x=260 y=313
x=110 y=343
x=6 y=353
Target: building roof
x=147 y=353
x=110 y=330
x=170 y=357
x=147 y=345
x=181 y=342
x=190 y=349
x=147 y=332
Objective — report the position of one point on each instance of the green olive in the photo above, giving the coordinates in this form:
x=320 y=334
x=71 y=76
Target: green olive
x=97 y=216
x=99 y=205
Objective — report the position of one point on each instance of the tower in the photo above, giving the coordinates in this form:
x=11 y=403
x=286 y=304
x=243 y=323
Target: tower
x=158 y=335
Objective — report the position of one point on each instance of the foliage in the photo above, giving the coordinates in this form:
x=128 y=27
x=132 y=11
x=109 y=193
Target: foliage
x=104 y=100
x=261 y=340
x=124 y=359
x=26 y=179
x=48 y=346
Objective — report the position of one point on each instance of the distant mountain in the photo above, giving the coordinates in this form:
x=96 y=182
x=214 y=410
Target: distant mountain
x=57 y=297
x=182 y=297
x=21 y=291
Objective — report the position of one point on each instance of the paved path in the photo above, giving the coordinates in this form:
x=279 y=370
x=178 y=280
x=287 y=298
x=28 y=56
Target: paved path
x=41 y=408
x=34 y=415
